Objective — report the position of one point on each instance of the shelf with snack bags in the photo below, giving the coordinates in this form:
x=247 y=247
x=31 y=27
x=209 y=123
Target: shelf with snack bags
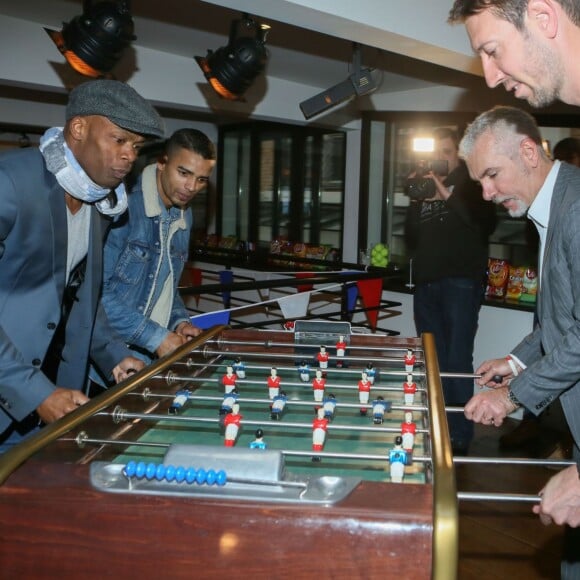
x=511 y=285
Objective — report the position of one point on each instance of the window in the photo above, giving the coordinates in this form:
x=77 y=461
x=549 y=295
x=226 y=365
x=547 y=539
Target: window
x=387 y=160
x=281 y=182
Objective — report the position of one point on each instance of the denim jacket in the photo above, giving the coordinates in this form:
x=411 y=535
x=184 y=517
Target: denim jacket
x=131 y=260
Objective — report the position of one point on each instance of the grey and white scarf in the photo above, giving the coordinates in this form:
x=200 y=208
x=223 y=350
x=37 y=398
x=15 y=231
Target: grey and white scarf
x=61 y=162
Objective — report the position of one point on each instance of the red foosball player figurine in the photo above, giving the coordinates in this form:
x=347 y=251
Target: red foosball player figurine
x=340 y=350
x=232 y=422
x=364 y=391
x=322 y=358
x=318 y=385
x=319 y=428
x=410 y=360
x=229 y=379
x=409 y=389
x=273 y=383
x=408 y=431
x=340 y=346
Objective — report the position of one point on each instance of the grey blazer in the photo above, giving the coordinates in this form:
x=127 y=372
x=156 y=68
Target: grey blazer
x=552 y=350
x=33 y=249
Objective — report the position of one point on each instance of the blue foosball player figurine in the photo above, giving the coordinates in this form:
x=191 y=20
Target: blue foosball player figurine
x=181 y=397
x=229 y=400
x=371 y=373
x=258 y=442
x=277 y=406
x=397 y=460
x=304 y=372
x=239 y=368
x=329 y=406
x=380 y=407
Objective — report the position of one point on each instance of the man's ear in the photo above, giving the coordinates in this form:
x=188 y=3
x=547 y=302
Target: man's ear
x=77 y=127
x=543 y=16
x=529 y=152
x=162 y=161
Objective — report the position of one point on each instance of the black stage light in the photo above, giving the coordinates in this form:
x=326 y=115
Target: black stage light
x=93 y=42
x=231 y=69
x=359 y=83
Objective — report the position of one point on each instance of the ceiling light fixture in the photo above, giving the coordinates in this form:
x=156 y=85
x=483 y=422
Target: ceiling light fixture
x=231 y=69
x=93 y=42
x=359 y=83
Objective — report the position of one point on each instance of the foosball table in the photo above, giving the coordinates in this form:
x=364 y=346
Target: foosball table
x=245 y=453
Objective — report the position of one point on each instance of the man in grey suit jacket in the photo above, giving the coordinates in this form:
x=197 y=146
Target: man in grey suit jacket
x=55 y=203
x=503 y=150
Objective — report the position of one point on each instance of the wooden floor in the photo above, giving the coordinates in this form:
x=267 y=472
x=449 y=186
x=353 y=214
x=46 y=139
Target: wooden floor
x=504 y=540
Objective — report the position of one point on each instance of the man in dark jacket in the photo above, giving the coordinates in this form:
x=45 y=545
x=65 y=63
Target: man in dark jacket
x=448 y=235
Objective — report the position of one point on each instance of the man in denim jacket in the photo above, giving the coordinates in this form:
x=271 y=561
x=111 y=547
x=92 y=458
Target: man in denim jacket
x=145 y=251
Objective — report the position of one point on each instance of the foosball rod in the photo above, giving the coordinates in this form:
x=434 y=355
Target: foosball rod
x=83 y=438
x=397 y=407
x=501 y=497
x=289 y=402
x=281 y=355
x=171 y=379
x=119 y=414
x=295 y=369
x=272 y=344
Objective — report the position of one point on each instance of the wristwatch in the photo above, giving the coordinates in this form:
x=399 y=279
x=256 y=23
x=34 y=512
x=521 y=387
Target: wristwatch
x=513 y=399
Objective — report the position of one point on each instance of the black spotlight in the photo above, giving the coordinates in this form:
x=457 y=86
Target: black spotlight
x=231 y=69
x=93 y=42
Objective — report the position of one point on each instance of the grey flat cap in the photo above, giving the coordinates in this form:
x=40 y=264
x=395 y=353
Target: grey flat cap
x=117 y=101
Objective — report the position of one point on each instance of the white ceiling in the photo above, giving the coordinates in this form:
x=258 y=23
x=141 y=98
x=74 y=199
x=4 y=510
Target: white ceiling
x=191 y=27
x=408 y=42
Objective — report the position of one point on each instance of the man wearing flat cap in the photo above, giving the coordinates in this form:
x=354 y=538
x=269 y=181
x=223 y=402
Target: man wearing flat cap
x=55 y=205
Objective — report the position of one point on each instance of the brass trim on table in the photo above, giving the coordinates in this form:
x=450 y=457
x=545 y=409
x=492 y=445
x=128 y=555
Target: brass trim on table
x=445 y=510
x=13 y=458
